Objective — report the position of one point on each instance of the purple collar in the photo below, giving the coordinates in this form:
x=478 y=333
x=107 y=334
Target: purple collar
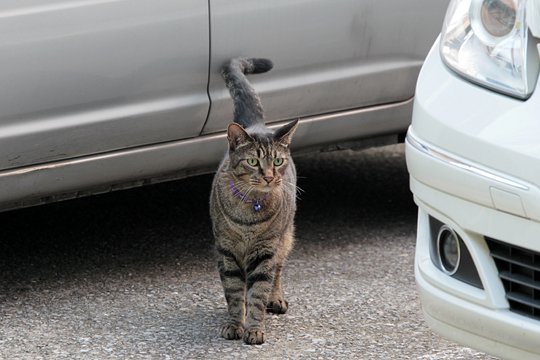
x=256 y=202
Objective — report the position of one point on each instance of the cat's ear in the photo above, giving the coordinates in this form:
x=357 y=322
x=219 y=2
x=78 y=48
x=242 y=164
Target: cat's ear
x=285 y=133
x=237 y=136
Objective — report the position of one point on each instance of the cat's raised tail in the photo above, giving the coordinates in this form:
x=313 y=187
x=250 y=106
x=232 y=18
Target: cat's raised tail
x=248 y=110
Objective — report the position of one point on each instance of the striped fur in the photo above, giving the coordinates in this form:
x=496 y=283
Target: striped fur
x=252 y=246
x=247 y=105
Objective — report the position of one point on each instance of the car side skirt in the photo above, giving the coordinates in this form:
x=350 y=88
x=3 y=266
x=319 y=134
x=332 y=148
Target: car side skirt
x=106 y=172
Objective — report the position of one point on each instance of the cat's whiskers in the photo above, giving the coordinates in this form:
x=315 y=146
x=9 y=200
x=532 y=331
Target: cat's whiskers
x=250 y=189
x=245 y=189
x=298 y=189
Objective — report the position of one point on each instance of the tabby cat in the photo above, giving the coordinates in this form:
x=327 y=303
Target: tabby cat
x=252 y=206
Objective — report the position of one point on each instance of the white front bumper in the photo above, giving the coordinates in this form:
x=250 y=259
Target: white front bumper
x=483 y=182
x=463 y=313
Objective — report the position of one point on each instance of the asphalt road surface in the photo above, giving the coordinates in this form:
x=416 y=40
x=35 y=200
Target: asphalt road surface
x=131 y=275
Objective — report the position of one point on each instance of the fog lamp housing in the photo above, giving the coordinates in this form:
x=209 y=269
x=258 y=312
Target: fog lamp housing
x=450 y=255
x=448 y=250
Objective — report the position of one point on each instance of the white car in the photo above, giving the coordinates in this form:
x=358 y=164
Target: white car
x=473 y=153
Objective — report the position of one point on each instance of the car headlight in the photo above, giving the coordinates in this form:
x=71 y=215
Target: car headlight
x=488 y=42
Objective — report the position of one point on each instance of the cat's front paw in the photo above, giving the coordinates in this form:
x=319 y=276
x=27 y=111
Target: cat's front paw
x=254 y=336
x=232 y=331
x=277 y=306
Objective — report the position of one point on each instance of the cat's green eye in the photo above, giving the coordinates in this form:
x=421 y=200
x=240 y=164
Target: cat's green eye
x=278 y=161
x=252 y=162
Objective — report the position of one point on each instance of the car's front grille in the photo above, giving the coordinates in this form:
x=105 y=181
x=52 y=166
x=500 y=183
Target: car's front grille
x=519 y=270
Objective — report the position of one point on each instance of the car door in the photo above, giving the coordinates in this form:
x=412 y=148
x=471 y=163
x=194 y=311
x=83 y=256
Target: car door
x=81 y=77
x=328 y=55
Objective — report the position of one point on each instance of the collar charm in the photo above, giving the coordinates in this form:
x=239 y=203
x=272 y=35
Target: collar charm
x=257 y=206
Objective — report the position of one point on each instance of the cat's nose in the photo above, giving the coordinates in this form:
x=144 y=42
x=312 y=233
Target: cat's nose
x=268 y=179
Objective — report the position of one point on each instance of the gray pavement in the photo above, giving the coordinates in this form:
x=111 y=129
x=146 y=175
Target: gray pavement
x=131 y=275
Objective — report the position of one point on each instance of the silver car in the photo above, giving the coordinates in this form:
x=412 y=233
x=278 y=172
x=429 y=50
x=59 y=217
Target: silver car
x=99 y=95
